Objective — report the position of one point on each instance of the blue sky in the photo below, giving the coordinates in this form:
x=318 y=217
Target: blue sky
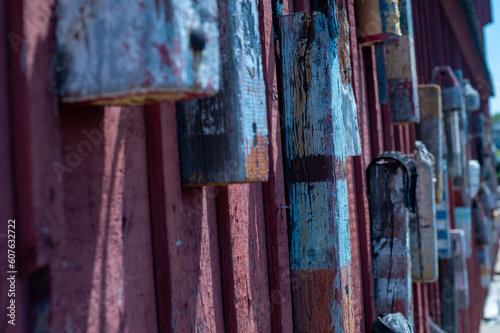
x=492 y=45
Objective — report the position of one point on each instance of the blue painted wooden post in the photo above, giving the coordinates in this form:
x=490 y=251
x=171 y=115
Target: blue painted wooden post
x=315 y=147
x=391 y=189
x=423 y=235
x=443 y=220
x=402 y=71
x=136 y=51
x=430 y=130
x=224 y=139
x=377 y=21
x=460 y=266
x=452 y=103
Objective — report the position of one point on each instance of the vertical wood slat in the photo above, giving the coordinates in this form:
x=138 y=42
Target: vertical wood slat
x=110 y=52
x=402 y=71
x=460 y=268
x=315 y=151
x=224 y=139
x=185 y=235
x=274 y=189
x=423 y=236
x=390 y=239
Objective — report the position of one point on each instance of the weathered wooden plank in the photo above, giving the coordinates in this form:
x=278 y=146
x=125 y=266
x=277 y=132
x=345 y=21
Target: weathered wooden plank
x=423 y=235
x=463 y=221
x=390 y=238
x=315 y=156
x=111 y=52
x=452 y=103
x=106 y=261
x=242 y=241
x=448 y=295
x=443 y=220
x=484 y=263
x=460 y=268
x=278 y=256
x=377 y=21
x=430 y=130
x=474 y=171
x=224 y=139
x=380 y=57
x=185 y=236
x=402 y=71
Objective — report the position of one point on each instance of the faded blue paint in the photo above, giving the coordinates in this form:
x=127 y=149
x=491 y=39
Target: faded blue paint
x=463 y=218
x=443 y=221
x=381 y=73
x=115 y=49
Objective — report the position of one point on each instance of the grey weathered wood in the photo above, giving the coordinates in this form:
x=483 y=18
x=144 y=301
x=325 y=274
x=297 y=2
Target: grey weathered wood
x=389 y=225
x=224 y=139
x=423 y=236
x=447 y=295
x=460 y=268
x=136 y=51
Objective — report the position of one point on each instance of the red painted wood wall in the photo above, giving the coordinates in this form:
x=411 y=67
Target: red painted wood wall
x=97 y=197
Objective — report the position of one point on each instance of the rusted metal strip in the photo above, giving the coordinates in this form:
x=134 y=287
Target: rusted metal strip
x=111 y=52
x=402 y=71
x=430 y=130
x=423 y=236
x=315 y=157
x=377 y=21
x=224 y=139
x=389 y=220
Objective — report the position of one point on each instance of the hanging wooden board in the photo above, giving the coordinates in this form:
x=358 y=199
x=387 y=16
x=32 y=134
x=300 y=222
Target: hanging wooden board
x=390 y=193
x=430 y=130
x=402 y=71
x=460 y=267
x=443 y=220
x=136 y=51
x=315 y=150
x=224 y=139
x=484 y=262
x=448 y=295
x=377 y=21
x=423 y=235
x=463 y=221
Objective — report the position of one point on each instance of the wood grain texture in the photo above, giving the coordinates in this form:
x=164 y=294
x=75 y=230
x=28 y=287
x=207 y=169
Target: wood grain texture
x=111 y=52
x=185 y=236
x=224 y=139
x=278 y=256
x=423 y=233
x=390 y=239
x=378 y=21
x=315 y=156
x=430 y=130
x=242 y=242
x=402 y=83
x=460 y=268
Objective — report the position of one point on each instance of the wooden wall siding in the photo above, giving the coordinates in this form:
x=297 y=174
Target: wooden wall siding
x=109 y=256
x=423 y=235
x=320 y=258
x=430 y=130
x=185 y=236
x=390 y=239
x=224 y=139
x=278 y=257
x=108 y=54
x=378 y=21
x=461 y=269
x=402 y=72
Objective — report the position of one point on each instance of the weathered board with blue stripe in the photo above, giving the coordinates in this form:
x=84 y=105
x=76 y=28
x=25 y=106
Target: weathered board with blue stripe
x=136 y=51
x=402 y=71
x=451 y=102
x=460 y=267
x=315 y=149
x=430 y=130
x=463 y=183
x=224 y=139
x=463 y=221
x=390 y=237
x=423 y=235
x=377 y=21
x=443 y=220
